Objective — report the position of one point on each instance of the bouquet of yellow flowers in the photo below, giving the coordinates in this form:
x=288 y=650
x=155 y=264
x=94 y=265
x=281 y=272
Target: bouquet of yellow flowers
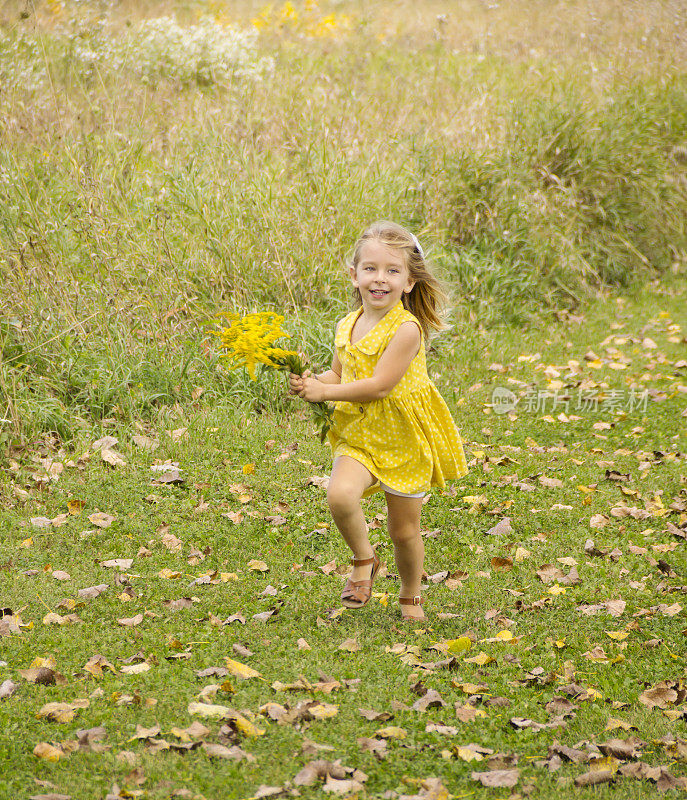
x=250 y=340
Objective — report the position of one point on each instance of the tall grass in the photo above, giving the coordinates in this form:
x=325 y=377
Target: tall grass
x=538 y=166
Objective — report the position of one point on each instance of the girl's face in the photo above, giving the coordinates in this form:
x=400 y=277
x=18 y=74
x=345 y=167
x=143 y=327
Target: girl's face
x=381 y=276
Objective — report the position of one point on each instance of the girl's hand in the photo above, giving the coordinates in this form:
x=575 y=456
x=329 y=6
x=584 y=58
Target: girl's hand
x=312 y=390
x=296 y=382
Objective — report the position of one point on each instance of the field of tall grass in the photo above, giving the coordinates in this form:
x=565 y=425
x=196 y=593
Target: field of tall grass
x=162 y=162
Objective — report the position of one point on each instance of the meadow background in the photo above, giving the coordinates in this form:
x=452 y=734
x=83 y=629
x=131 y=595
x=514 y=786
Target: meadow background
x=162 y=162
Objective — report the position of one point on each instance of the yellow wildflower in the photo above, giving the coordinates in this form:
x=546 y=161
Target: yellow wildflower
x=250 y=340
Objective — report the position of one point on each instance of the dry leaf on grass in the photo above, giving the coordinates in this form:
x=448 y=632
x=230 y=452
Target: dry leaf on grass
x=594 y=777
x=622 y=749
x=378 y=747
x=241 y=670
x=91 y=592
x=43 y=676
x=663 y=694
x=233 y=753
x=503 y=526
x=392 y=733
x=101 y=520
x=209 y=710
x=431 y=699
x=118 y=563
x=96 y=665
x=48 y=752
x=58 y=712
x=130 y=622
x=375 y=716
x=497 y=778
x=112 y=458
x=135 y=669
x=8 y=688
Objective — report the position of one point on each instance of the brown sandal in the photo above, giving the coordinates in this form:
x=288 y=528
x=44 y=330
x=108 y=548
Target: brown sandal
x=357 y=593
x=411 y=601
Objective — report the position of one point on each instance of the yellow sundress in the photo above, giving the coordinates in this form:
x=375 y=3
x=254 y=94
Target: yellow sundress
x=408 y=439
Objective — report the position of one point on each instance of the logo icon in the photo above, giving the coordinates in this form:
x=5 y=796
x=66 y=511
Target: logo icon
x=503 y=400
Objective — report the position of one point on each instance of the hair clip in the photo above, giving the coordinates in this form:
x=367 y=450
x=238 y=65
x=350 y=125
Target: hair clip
x=417 y=245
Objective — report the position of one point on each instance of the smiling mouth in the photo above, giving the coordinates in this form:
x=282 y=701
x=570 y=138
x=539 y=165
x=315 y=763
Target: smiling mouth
x=378 y=292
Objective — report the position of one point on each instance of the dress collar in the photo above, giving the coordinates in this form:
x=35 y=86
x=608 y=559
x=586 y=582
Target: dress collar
x=371 y=340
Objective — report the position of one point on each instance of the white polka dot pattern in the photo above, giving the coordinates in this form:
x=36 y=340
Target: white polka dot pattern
x=408 y=439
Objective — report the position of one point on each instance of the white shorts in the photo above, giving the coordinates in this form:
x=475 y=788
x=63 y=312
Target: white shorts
x=388 y=489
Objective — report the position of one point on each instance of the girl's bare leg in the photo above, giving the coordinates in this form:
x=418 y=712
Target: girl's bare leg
x=348 y=481
x=409 y=549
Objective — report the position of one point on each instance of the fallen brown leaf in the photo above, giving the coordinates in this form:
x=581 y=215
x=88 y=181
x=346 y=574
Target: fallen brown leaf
x=497 y=778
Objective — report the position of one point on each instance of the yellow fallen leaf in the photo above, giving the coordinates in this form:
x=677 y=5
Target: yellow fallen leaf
x=96 y=664
x=209 y=710
x=614 y=722
x=323 y=711
x=503 y=636
x=521 y=554
x=475 y=498
x=257 y=566
x=39 y=662
x=608 y=763
x=383 y=598
x=169 y=574
x=245 y=726
x=180 y=733
x=241 y=670
x=47 y=752
x=391 y=733
x=470 y=688
x=456 y=647
x=57 y=712
x=481 y=658
x=617 y=635
x=467 y=754
x=74 y=506
x=27 y=542
x=555 y=590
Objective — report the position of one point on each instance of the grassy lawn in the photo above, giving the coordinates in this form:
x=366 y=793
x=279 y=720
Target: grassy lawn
x=170 y=623
x=241 y=556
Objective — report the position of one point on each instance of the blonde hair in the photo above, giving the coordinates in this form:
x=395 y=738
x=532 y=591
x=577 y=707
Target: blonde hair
x=425 y=299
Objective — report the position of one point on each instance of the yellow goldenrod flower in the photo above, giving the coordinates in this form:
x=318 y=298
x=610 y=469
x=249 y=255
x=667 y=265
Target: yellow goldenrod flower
x=250 y=340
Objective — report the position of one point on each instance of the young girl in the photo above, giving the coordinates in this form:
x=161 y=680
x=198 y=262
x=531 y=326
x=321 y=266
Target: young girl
x=392 y=431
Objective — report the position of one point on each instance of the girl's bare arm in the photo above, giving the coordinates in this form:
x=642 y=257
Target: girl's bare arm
x=391 y=367
x=331 y=376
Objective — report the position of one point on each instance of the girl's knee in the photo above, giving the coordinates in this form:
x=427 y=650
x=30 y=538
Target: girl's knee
x=341 y=497
x=404 y=534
